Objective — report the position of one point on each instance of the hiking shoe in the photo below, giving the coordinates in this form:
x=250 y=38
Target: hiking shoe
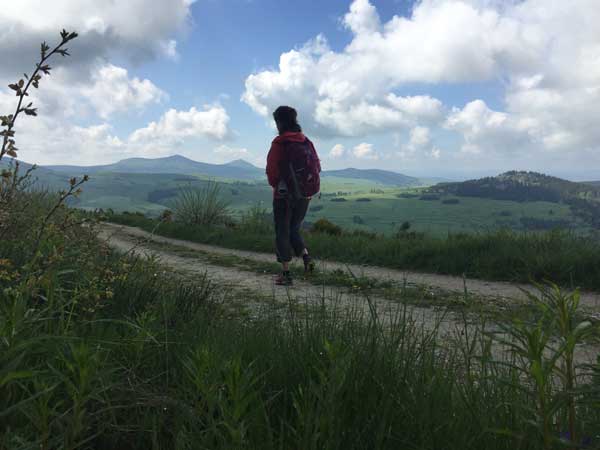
x=284 y=279
x=309 y=265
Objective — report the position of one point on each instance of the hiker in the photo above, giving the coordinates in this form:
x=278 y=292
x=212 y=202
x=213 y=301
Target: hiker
x=293 y=171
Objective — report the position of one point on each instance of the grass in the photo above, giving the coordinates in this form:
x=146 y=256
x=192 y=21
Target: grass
x=566 y=258
x=152 y=193
x=106 y=351
x=356 y=283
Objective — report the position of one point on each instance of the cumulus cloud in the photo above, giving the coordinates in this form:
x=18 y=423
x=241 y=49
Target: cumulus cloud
x=337 y=151
x=175 y=126
x=85 y=91
x=364 y=151
x=435 y=153
x=113 y=91
x=336 y=95
x=486 y=130
x=136 y=29
x=546 y=52
x=419 y=137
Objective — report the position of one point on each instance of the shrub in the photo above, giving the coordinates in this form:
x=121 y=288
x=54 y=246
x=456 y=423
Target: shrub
x=201 y=206
x=505 y=213
x=257 y=219
x=451 y=201
x=338 y=199
x=363 y=199
x=326 y=227
x=358 y=220
x=166 y=216
x=316 y=208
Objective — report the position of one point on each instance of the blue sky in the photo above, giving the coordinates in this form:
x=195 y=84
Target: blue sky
x=453 y=88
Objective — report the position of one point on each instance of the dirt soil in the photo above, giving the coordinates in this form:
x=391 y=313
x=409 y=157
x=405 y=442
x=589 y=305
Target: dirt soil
x=482 y=288
x=256 y=289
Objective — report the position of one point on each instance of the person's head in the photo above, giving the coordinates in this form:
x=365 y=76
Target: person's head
x=286 y=119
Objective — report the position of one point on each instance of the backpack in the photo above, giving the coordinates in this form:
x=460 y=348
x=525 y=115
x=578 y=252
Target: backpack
x=302 y=172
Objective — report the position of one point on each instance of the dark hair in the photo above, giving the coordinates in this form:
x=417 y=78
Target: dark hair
x=286 y=118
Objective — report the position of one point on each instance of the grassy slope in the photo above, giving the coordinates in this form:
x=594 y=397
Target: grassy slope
x=385 y=212
x=137 y=358
x=142 y=192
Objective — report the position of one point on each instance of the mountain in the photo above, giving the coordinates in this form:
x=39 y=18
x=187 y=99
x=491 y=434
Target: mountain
x=238 y=169
x=583 y=198
x=379 y=176
x=176 y=164
x=521 y=186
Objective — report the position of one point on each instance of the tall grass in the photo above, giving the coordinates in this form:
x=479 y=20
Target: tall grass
x=563 y=257
x=201 y=206
x=106 y=351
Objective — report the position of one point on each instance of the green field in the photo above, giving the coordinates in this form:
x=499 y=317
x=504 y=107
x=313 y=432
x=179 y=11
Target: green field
x=343 y=201
x=385 y=212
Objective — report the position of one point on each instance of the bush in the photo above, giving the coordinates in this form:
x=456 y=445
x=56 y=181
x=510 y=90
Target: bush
x=201 y=206
x=316 y=208
x=505 y=213
x=166 y=216
x=451 y=201
x=363 y=199
x=257 y=219
x=358 y=220
x=326 y=227
x=338 y=199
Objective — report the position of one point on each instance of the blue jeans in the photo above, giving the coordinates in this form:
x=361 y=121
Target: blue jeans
x=289 y=215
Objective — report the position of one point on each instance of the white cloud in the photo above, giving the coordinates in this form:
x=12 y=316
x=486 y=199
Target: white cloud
x=176 y=126
x=225 y=153
x=362 y=17
x=486 y=130
x=365 y=151
x=337 y=151
x=419 y=137
x=113 y=91
x=136 y=29
x=546 y=52
x=435 y=153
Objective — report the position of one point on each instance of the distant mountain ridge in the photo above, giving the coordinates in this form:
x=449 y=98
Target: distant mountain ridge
x=175 y=164
x=380 y=176
x=237 y=169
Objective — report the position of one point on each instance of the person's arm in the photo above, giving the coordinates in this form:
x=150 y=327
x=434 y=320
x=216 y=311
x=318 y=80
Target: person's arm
x=273 y=161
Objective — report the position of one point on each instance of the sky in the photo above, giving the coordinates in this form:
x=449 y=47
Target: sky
x=438 y=88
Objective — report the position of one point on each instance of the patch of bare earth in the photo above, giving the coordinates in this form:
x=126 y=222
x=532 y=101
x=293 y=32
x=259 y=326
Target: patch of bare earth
x=258 y=288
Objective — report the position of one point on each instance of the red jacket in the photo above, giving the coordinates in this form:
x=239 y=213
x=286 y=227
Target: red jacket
x=276 y=156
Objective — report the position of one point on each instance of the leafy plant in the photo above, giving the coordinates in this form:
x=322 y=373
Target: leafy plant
x=326 y=227
x=201 y=206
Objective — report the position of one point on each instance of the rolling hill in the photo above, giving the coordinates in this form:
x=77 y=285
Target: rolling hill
x=176 y=164
x=520 y=186
x=237 y=170
x=384 y=177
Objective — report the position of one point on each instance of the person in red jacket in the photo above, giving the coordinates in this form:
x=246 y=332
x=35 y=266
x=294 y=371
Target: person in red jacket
x=288 y=212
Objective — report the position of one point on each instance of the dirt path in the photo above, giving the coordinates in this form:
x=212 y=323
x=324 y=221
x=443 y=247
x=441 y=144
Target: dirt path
x=493 y=289
x=256 y=289
x=252 y=286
